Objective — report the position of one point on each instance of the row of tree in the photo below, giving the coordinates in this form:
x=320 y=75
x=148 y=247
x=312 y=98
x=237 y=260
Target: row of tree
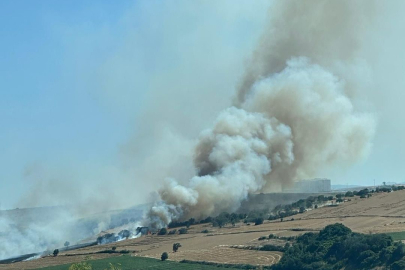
x=337 y=247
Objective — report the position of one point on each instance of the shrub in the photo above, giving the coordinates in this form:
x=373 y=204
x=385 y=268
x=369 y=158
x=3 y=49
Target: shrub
x=272 y=248
x=162 y=231
x=349 y=194
x=176 y=246
x=114 y=248
x=56 y=252
x=262 y=238
x=259 y=221
x=399 y=265
x=66 y=244
x=339 y=196
x=124 y=234
x=164 y=256
x=205 y=231
x=173 y=231
x=80 y=266
x=183 y=231
x=337 y=247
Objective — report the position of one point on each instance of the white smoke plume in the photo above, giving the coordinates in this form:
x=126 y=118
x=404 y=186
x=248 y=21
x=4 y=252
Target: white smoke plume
x=293 y=115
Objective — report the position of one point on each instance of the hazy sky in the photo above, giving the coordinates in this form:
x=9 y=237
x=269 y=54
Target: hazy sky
x=75 y=77
x=79 y=78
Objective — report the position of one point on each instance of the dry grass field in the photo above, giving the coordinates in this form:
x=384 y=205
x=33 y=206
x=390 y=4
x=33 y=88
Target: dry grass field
x=384 y=212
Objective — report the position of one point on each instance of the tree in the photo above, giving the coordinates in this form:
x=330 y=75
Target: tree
x=183 y=231
x=399 y=265
x=80 y=266
x=321 y=198
x=302 y=209
x=176 y=246
x=113 y=248
x=162 y=231
x=164 y=256
x=349 y=194
x=259 y=221
x=56 y=252
x=66 y=244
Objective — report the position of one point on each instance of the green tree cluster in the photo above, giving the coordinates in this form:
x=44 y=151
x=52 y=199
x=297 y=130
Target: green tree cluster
x=337 y=247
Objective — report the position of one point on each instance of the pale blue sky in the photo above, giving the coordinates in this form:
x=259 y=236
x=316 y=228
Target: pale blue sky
x=47 y=114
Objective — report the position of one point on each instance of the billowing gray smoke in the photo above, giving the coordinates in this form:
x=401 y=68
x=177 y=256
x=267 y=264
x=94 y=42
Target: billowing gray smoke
x=293 y=114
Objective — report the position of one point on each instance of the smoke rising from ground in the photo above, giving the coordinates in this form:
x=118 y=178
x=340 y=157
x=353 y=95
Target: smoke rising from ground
x=293 y=114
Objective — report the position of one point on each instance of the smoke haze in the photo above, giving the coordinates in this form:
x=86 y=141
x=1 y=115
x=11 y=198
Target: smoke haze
x=293 y=112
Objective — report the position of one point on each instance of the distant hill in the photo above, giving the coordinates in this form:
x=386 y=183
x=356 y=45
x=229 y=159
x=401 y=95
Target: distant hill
x=336 y=187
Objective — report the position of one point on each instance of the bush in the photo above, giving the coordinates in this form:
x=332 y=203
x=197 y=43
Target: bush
x=164 y=256
x=162 y=231
x=114 y=248
x=259 y=221
x=399 y=265
x=66 y=244
x=349 y=194
x=272 y=248
x=183 y=231
x=205 y=231
x=262 y=238
x=56 y=252
x=124 y=234
x=337 y=247
x=80 y=266
x=176 y=246
x=173 y=232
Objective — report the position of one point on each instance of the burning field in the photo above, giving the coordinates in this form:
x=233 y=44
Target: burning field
x=236 y=245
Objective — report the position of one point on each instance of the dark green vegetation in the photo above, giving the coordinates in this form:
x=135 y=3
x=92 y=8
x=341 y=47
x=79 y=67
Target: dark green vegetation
x=176 y=247
x=138 y=263
x=164 y=256
x=162 y=231
x=337 y=247
x=397 y=235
